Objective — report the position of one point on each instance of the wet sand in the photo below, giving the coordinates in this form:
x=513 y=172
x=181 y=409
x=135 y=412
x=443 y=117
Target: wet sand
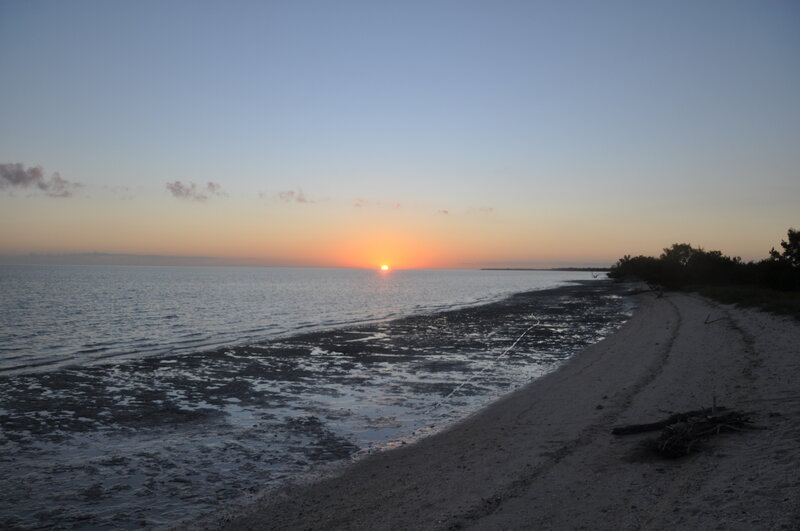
x=544 y=457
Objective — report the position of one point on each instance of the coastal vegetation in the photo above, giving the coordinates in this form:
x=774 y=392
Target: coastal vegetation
x=772 y=283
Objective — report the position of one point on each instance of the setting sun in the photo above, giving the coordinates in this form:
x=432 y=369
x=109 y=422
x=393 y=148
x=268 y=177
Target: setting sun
x=384 y=267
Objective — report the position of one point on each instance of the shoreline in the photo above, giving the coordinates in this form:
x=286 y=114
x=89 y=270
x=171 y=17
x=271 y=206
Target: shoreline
x=543 y=456
x=151 y=442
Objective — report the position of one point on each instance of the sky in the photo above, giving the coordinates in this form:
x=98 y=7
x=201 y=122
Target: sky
x=420 y=134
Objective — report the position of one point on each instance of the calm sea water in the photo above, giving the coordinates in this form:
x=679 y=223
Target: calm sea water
x=135 y=397
x=55 y=316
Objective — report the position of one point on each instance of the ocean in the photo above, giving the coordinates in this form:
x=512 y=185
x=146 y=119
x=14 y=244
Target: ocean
x=58 y=316
x=140 y=396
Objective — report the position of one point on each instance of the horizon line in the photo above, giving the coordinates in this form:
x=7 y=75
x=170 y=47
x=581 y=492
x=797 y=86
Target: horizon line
x=152 y=259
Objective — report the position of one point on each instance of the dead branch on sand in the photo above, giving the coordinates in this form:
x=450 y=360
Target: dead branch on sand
x=682 y=433
x=709 y=320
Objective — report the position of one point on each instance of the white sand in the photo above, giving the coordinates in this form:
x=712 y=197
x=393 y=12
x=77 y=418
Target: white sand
x=544 y=457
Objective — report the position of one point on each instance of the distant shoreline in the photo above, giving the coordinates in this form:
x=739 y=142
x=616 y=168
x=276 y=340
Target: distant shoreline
x=587 y=269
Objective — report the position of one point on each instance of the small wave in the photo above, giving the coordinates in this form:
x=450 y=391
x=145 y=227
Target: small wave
x=127 y=355
x=191 y=334
x=92 y=350
x=254 y=330
x=11 y=358
x=145 y=345
x=187 y=342
x=34 y=364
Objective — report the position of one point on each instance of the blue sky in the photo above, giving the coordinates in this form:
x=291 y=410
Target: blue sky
x=677 y=119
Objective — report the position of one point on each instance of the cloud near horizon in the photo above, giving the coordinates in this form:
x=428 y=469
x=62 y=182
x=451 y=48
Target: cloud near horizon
x=14 y=175
x=193 y=192
x=290 y=196
x=362 y=203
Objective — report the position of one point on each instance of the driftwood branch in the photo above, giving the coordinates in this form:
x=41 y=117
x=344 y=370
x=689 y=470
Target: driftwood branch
x=672 y=419
x=709 y=320
x=682 y=433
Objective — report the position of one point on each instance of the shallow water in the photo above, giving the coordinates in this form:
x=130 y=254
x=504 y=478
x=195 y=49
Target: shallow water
x=156 y=440
x=57 y=316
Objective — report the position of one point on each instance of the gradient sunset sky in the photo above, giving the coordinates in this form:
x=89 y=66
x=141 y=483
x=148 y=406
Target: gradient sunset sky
x=420 y=134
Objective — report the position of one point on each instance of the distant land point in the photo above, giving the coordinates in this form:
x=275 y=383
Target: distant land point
x=591 y=269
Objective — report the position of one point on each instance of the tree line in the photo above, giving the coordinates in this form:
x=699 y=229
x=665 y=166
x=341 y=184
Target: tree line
x=681 y=266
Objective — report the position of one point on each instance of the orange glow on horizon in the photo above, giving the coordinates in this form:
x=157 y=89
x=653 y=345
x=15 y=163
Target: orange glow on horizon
x=397 y=246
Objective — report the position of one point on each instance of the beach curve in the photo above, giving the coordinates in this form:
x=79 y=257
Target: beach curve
x=544 y=457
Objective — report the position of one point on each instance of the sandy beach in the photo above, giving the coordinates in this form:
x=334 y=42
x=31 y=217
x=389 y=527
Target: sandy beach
x=544 y=457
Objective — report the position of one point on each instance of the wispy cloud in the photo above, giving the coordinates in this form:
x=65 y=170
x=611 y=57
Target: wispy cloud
x=443 y=212
x=194 y=192
x=215 y=188
x=15 y=175
x=291 y=196
x=363 y=203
